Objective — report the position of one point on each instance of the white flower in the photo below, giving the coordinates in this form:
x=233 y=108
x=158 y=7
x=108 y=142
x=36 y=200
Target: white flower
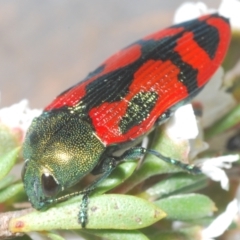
x=191 y=10
x=18 y=116
x=228 y=8
x=212 y=167
x=211 y=96
x=231 y=9
x=183 y=124
x=222 y=222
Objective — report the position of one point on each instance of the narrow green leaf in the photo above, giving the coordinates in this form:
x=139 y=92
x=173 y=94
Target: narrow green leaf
x=178 y=183
x=7 y=139
x=10 y=192
x=6 y=181
x=233 y=54
x=54 y=236
x=118 y=234
x=120 y=174
x=187 y=206
x=7 y=161
x=110 y=211
x=181 y=234
x=231 y=119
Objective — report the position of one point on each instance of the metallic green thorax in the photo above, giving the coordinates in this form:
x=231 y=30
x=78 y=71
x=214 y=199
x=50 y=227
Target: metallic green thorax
x=60 y=145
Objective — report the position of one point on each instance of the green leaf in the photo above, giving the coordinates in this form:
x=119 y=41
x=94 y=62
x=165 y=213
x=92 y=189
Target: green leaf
x=118 y=234
x=231 y=119
x=6 y=181
x=120 y=174
x=181 y=234
x=54 y=236
x=178 y=183
x=7 y=161
x=10 y=192
x=7 y=139
x=233 y=54
x=110 y=211
x=187 y=206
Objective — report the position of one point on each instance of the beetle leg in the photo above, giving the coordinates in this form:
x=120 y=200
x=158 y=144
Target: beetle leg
x=137 y=152
x=108 y=165
x=164 y=117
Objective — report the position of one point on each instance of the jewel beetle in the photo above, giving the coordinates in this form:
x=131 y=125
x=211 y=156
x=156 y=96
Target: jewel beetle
x=125 y=98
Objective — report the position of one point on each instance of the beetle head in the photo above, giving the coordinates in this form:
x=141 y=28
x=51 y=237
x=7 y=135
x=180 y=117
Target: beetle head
x=40 y=184
x=59 y=150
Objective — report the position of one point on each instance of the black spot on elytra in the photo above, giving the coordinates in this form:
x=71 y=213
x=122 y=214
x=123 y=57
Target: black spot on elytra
x=90 y=75
x=95 y=72
x=164 y=51
x=210 y=41
x=205 y=35
x=139 y=108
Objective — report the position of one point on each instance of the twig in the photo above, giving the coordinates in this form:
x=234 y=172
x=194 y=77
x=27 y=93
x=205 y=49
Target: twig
x=4 y=222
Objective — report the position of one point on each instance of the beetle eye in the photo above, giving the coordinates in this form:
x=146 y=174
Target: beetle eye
x=49 y=185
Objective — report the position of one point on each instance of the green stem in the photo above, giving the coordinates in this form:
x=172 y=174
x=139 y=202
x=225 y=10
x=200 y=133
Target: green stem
x=229 y=120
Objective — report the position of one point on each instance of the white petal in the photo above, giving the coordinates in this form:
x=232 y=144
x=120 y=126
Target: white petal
x=183 y=124
x=212 y=168
x=18 y=115
x=222 y=222
x=197 y=145
x=191 y=10
x=217 y=175
x=231 y=9
x=211 y=96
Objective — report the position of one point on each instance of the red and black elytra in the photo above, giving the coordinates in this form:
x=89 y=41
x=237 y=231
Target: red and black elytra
x=154 y=74
x=132 y=92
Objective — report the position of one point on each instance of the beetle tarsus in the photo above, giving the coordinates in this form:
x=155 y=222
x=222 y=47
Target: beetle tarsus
x=83 y=216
